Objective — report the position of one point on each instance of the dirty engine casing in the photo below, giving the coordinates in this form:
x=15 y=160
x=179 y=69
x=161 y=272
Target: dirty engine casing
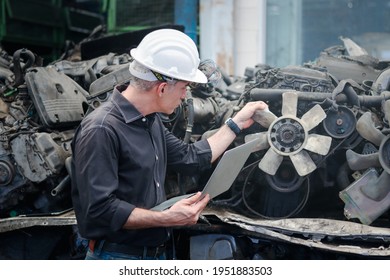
x=322 y=147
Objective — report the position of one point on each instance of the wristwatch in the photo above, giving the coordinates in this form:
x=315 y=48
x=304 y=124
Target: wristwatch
x=233 y=126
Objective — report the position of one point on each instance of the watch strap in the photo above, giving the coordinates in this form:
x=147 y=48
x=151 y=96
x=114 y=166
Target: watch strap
x=233 y=126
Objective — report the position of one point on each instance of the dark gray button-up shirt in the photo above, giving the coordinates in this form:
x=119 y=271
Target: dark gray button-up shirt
x=120 y=159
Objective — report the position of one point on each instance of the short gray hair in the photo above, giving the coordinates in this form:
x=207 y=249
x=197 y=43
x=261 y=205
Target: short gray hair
x=143 y=78
x=142 y=84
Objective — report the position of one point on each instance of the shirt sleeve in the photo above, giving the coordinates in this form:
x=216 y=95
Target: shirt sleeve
x=188 y=159
x=96 y=168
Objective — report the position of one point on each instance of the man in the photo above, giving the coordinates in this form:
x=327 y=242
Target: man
x=122 y=149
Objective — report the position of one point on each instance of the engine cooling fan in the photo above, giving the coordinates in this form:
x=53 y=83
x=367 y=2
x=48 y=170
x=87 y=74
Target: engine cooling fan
x=288 y=136
x=369 y=197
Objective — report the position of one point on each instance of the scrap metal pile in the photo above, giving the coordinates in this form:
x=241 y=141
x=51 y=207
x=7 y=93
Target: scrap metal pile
x=323 y=152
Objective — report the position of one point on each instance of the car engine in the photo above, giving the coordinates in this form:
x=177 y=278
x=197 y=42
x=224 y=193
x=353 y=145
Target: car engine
x=324 y=152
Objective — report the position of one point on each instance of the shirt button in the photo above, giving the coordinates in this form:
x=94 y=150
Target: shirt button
x=144 y=119
x=158 y=184
x=156 y=157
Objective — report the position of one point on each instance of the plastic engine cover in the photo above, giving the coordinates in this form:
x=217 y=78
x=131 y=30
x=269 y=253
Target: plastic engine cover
x=57 y=98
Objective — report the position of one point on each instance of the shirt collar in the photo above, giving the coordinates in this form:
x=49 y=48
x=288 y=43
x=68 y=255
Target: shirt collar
x=128 y=111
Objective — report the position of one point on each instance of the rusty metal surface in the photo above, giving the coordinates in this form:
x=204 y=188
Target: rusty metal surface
x=314 y=233
x=63 y=219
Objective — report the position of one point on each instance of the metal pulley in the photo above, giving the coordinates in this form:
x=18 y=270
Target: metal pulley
x=340 y=123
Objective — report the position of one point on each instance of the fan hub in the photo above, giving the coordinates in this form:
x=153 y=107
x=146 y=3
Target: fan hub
x=287 y=135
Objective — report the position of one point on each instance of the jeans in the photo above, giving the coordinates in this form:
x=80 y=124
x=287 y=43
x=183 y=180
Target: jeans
x=99 y=254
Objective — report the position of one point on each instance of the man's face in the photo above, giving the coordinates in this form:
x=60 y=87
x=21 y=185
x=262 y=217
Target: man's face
x=172 y=96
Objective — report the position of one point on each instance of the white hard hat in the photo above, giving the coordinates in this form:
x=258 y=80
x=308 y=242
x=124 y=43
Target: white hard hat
x=171 y=53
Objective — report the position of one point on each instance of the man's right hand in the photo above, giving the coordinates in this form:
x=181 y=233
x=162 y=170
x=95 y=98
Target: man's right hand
x=188 y=210
x=182 y=213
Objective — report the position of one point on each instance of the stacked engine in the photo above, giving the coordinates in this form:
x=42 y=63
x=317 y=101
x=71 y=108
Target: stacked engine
x=324 y=142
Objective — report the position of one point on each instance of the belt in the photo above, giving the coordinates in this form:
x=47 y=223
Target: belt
x=142 y=251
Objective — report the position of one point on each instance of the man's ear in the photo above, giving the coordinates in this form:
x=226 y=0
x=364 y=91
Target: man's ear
x=161 y=88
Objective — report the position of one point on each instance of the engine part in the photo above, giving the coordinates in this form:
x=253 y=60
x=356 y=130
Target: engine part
x=346 y=86
x=339 y=123
x=291 y=159
x=39 y=156
x=366 y=128
x=6 y=79
x=214 y=247
x=274 y=95
x=264 y=117
x=61 y=186
x=368 y=197
x=58 y=99
x=109 y=81
x=7 y=172
x=289 y=136
x=213 y=74
x=384 y=154
x=360 y=162
x=20 y=69
x=352 y=48
x=381 y=83
x=286 y=179
x=357 y=68
x=273 y=197
x=297 y=78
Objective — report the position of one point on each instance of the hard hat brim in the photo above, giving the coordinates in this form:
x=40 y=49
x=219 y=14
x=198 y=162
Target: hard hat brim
x=200 y=77
x=145 y=74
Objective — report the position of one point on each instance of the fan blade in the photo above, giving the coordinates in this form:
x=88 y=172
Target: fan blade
x=251 y=137
x=270 y=162
x=366 y=128
x=264 y=117
x=386 y=109
x=303 y=163
x=313 y=117
x=359 y=162
x=318 y=144
x=262 y=142
x=290 y=102
x=384 y=154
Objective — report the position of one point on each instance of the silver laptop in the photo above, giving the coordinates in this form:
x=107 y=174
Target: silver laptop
x=228 y=167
